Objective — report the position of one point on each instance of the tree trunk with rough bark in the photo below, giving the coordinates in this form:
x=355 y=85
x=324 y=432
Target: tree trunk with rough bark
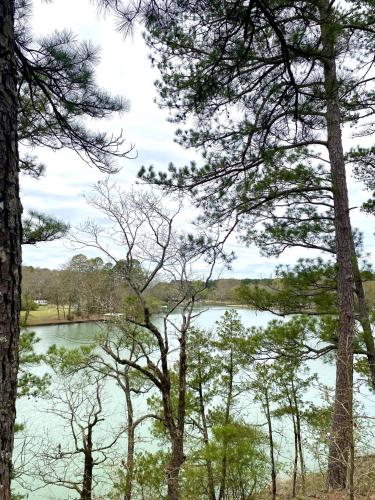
x=10 y=244
x=174 y=466
x=342 y=422
x=86 y=493
x=87 y=476
x=176 y=424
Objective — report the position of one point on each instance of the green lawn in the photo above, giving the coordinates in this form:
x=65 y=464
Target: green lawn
x=44 y=314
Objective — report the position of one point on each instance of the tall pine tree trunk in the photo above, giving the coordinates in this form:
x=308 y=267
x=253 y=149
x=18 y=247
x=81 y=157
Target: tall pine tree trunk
x=10 y=244
x=342 y=423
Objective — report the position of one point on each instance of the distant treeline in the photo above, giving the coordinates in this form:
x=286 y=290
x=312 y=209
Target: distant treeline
x=82 y=287
x=85 y=286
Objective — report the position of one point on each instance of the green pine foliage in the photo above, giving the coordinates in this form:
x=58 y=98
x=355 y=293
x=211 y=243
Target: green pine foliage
x=30 y=384
x=58 y=93
x=38 y=227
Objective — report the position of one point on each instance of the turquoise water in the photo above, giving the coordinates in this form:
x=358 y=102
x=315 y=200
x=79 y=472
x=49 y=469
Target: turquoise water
x=41 y=423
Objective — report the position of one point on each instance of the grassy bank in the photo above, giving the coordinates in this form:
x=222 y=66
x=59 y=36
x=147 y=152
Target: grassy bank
x=47 y=315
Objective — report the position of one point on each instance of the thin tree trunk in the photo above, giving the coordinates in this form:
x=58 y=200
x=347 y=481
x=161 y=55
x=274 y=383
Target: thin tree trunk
x=299 y=438
x=58 y=308
x=292 y=410
x=210 y=476
x=300 y=451
x=10 y=244
x=224 y=465
x=342 y=422
x=173 y=467
x=295 y=462
x=271 y=444
x=351 y=472
x=27 y=314
x=130 y=435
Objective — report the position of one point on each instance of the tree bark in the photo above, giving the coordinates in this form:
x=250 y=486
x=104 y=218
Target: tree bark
x=224 y=465
x=210 y=476
x=130 y=436
x=299 y=437
x=176 y=431
x=26 y=318
x=88 y=467
x=58 y=307
x=87 y=477
x=10 y=244
x=342 y=422
x=295 y=462
x=267 y=412
x=174 y=466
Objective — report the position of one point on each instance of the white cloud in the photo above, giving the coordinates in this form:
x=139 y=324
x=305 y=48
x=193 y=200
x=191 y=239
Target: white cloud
x=125 y=70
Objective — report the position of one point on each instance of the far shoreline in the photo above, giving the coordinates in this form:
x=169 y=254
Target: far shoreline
x=64 y=321
x=97 y=318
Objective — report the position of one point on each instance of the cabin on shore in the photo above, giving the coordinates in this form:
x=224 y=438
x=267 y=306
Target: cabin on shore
x=109 y=316
x=41 y=302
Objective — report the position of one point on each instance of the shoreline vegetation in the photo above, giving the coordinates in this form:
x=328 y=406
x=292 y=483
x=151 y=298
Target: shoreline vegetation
x=45 y=316
x=86 y=289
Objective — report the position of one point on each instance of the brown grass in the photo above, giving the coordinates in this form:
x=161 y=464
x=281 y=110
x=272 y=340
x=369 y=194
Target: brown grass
x=364 y=485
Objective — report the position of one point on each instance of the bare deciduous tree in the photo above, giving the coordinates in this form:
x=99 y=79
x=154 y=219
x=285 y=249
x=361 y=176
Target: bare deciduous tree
x=142 y=232
x=70 y=462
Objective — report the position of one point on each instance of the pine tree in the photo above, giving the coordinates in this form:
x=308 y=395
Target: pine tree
x=260 y=81
x=38 y=227
x=57 y=91
x=47 y=88
x=10 y=243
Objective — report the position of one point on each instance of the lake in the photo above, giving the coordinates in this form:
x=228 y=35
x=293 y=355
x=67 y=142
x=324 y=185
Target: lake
x=33 y=414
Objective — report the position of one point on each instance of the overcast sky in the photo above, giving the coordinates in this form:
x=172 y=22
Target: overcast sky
x=125 y=70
